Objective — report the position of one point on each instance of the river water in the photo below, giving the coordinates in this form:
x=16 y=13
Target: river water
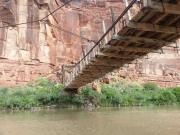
x=106 y=121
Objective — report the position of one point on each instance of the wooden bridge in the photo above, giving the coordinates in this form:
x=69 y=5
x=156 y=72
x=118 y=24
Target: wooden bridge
x=144 y=26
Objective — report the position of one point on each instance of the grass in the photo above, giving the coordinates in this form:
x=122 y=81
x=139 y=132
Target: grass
x=46 y=93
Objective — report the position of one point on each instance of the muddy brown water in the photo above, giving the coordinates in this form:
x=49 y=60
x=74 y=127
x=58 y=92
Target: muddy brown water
x=104 y=121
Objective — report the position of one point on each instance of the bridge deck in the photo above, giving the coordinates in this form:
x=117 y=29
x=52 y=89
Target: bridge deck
x=145 y=26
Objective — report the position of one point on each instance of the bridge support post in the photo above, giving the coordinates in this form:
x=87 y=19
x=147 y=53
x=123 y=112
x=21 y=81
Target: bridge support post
x=129 y=12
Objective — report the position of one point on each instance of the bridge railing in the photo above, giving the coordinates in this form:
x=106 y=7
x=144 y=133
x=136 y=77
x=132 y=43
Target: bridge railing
x=93 y=49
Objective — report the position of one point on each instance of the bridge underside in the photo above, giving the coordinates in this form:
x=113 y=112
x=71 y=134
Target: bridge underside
x=146 y=27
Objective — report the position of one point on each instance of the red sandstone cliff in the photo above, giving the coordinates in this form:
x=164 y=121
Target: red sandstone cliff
x=41 y=48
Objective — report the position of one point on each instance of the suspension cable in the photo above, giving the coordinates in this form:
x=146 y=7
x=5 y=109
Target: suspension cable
x=118 y=19
x=39 y=20
x=74 y=34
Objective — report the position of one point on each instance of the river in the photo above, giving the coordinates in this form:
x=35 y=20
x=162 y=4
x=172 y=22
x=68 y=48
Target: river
x=106 y=121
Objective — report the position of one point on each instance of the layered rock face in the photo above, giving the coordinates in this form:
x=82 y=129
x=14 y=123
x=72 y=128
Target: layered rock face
x=30 y=50
x=25 y=52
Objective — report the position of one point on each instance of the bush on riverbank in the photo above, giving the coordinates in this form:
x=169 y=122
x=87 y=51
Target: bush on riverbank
x=46 y=93
x=39 y=93
x=137 y=95
x=126 y=94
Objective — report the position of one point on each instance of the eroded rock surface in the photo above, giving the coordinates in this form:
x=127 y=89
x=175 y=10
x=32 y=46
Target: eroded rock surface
x=41 y=48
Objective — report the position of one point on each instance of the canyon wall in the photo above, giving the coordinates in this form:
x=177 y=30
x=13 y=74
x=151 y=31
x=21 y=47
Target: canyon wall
x=41 y=47
x=27 y=50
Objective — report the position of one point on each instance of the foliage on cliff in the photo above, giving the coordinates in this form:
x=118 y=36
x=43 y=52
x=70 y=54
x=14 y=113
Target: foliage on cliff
x=46 y=93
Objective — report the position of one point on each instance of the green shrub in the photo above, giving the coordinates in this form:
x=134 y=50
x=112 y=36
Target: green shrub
x=88 y=94
x=150 y=86
x=79 y=100
x=85 y=94
x=164 y=97
x=110 y=95
x=40 y=93
x=176 y=92
x=44 y=93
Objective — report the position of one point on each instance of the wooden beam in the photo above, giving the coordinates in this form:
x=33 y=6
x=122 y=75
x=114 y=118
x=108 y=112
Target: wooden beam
x=148 y=16
x=112 y=55
x=126 y=49
x=94 y=73
x=158 y=19
x=89 y=66
x=97 y=67
x=140 y=15
x=140 y=40
x=140 y=33
x=153 y=27
x=107 y=63
x=162 y=7
x=169 y=22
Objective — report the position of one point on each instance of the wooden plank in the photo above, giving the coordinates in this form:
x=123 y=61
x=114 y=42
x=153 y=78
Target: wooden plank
x=153 y=27
x=107 y=63
x=113 y=55
x=88 y=77
x=140 y=33
x=140 y=15
x=169 y=22
x=126 y=49
x=140 y=40
x=88 y=66
x=148 y=16
x=158 y=19
x=97 y=67
x=162 y=7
